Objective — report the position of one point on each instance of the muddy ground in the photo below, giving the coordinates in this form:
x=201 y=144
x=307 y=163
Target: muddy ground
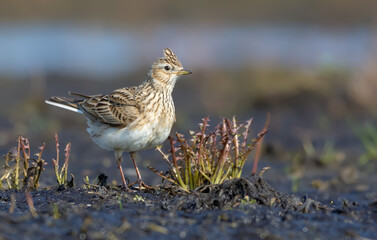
x=299 y=197
x=246 y=208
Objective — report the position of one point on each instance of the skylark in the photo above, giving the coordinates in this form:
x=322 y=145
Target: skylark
x=133 y=118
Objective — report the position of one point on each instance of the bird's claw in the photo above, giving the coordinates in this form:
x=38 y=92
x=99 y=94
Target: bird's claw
x=141 y=184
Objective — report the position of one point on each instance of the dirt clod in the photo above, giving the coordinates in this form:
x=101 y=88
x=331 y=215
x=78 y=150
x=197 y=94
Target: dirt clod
x=238 y=208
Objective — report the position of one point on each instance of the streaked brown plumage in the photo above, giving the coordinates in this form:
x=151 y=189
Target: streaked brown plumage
x=132 y=118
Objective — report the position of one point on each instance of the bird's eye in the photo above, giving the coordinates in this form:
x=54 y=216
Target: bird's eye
x=167 y=68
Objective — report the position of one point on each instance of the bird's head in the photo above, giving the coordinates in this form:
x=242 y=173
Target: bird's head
x=168 y=69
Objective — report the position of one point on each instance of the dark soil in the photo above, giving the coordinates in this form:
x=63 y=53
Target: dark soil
x=246 y=208
x=309 y=198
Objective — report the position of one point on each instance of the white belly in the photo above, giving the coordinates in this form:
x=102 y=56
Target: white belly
x=130 y=138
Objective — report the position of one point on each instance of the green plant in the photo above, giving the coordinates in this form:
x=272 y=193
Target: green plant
x=61 y=176
x=295 y=170
x=246 y=200
x=368 y=136
x=87 y=183
x=326 y=156
x=99 y=181
x=20 y=161
x=120 y=202
x=209 y=157
x=55 y=211
x=138 y=198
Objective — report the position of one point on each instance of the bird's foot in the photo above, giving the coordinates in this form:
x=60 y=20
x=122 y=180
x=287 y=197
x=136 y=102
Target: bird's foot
x=141 y=184
x=126 y=188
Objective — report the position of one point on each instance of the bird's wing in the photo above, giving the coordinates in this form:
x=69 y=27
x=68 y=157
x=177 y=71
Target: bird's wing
x=83 y=95
x=119 y=108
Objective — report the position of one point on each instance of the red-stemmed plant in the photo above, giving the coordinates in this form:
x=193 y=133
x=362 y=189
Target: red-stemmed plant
x=209 y=157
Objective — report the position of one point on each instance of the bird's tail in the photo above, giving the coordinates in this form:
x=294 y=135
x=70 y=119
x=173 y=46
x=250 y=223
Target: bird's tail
x=66 y=103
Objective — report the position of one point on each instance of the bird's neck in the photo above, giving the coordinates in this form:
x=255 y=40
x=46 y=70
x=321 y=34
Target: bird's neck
x=160 y=86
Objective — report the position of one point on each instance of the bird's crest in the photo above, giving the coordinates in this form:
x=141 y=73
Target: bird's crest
x=171 y=58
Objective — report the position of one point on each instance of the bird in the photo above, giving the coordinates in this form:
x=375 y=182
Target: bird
x=131 y=119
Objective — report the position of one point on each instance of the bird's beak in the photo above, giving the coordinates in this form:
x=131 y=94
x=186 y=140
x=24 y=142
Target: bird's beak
x=184 y=72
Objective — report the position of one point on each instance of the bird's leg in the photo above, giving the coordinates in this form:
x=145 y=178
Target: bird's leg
x=139 y=180
x=118 y=158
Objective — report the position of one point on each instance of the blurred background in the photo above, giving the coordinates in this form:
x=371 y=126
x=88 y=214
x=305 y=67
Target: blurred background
x=311 y=64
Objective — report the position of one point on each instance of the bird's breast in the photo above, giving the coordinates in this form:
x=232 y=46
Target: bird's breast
x=150 y=129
